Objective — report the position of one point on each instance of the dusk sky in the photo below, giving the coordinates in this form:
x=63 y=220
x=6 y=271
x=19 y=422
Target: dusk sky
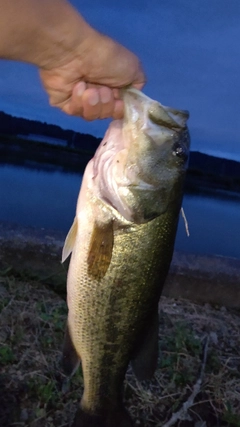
x=190 y=51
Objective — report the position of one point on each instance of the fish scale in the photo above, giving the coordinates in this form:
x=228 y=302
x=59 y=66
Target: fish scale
x=122 y=241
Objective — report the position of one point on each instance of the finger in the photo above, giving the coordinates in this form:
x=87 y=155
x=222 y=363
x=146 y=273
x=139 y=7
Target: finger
x=139 y=86
x=74 y=105
x=118 y=109
x=97 y=103
x=91 y=104
x=107 y=102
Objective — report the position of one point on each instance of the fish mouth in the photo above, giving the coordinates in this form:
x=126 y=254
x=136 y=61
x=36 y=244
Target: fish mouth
x=137 y=105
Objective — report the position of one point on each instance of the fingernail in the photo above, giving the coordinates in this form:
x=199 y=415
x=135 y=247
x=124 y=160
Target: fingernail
x=94 y=99
x=105 y=96
x=81 y=88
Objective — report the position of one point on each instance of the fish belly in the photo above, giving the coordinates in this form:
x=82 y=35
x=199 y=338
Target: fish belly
x=110 y=315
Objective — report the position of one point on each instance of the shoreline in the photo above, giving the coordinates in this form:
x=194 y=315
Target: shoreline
x=27 y=153
x=36 y=253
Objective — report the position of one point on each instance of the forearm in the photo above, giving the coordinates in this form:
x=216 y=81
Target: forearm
x=41 y=31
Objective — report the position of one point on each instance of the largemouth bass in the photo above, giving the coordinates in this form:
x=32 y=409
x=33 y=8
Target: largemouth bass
x=122 y=242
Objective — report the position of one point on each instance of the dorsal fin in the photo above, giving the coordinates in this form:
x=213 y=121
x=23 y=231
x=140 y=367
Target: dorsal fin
x=70 y=240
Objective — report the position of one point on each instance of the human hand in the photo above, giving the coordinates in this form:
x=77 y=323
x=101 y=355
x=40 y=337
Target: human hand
x=87 y=85
x=81 y=69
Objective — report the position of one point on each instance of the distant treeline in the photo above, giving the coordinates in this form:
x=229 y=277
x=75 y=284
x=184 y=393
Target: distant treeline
x=15 y=126
x=72 y=150
x=213 y=172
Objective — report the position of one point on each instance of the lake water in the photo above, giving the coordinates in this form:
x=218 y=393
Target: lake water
x=47 y=199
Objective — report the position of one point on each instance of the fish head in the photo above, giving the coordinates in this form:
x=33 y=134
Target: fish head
x=140 y=165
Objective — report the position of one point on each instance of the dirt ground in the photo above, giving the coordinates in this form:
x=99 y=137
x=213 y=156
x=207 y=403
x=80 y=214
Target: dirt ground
x=197 y=383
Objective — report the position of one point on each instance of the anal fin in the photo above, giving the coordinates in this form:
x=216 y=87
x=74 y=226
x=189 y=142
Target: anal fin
x=145 y=360
x=70 y=358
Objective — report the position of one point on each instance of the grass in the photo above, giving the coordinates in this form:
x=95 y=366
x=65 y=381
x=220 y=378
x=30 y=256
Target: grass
x=34 y=391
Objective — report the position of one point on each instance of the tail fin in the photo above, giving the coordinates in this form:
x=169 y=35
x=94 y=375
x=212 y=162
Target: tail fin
x=115 y=419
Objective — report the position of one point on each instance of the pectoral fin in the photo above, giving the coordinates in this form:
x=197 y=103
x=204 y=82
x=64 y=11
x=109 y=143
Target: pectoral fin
x=70 y=358
x=70 y=240
x=145 y=361
x=100 y=249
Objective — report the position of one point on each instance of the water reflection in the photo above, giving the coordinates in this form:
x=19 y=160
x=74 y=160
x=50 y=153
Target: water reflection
x=46 y=198
x=38 y=198
x=213 y=224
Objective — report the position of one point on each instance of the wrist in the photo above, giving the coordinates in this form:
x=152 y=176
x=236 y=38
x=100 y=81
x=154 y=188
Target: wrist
x=42 y=32
x=60 y=38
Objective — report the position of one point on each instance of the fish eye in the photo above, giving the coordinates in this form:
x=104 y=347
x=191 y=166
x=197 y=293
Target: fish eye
x=179 y=150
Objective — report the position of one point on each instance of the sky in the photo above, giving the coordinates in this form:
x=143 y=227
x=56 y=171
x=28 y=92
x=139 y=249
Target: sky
x=190 y=51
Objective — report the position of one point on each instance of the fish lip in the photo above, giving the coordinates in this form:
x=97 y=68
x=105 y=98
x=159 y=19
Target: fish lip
x=136 y=102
